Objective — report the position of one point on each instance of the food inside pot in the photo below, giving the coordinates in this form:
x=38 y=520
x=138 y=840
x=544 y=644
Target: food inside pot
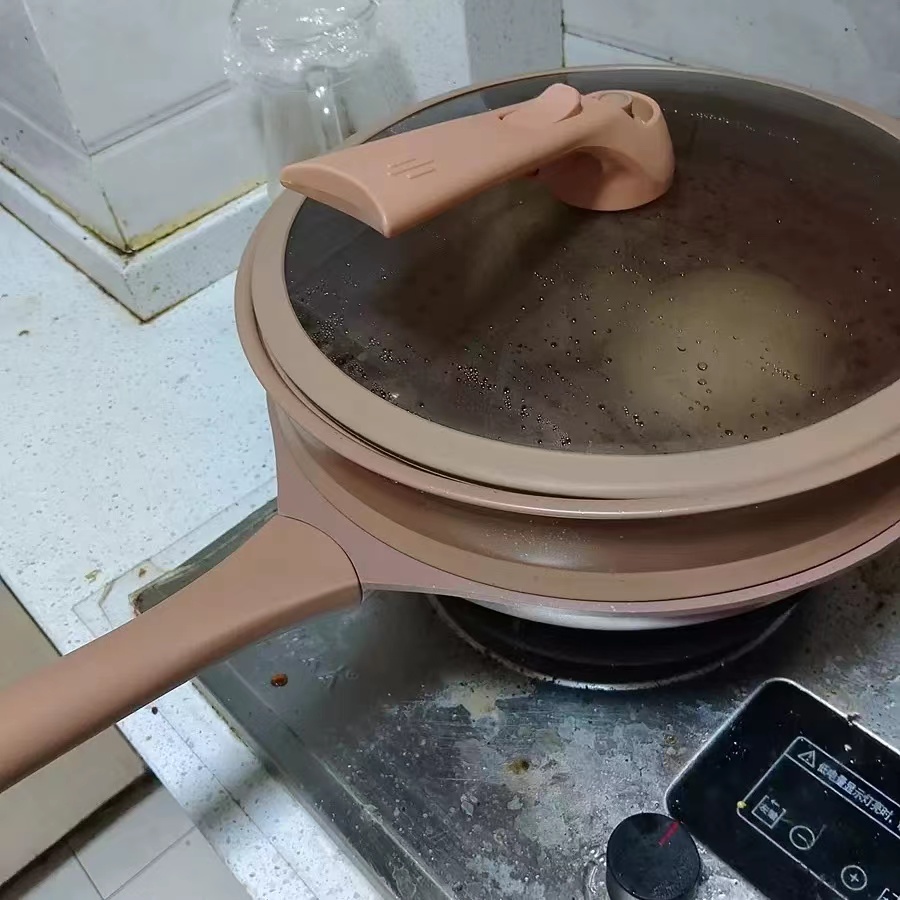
x=758 y=296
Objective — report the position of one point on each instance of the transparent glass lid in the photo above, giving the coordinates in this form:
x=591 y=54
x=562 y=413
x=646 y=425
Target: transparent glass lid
x=758 y=296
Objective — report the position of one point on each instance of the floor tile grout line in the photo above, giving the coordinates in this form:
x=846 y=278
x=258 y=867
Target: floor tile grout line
x=68 y=843
x=144 y=868
x=87 y=874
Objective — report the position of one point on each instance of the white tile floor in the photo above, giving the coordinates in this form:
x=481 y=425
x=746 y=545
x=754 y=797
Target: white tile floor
x=140 y=847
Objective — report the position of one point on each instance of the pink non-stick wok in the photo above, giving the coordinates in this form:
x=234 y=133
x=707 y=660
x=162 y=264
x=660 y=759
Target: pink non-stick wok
x=509 y=358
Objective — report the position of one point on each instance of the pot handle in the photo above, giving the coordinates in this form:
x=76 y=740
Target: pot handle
x=287 y=571
x=608 y=150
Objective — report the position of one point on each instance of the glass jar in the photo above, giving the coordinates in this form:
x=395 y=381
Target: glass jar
x=319 y=71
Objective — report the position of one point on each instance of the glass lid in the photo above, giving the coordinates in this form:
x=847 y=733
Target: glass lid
x=758 y=296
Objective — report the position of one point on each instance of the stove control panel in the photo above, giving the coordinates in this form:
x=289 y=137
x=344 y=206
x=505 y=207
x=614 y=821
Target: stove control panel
x=798 y=798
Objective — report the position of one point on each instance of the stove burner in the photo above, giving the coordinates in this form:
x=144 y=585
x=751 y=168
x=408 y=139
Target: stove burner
x=610 y=660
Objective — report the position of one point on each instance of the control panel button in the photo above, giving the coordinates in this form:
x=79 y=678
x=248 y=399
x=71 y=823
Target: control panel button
x=854 y=878
x=803 y=838
x=651 y=855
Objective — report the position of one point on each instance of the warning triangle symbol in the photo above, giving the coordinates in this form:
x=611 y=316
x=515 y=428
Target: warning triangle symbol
x=809 y=758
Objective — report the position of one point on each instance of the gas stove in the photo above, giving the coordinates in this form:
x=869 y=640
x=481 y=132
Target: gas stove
x=440 y=747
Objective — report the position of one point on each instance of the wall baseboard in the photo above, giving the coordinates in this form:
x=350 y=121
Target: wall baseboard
x=151 y=280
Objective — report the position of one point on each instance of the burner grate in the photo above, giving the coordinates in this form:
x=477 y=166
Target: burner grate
x=610 y=660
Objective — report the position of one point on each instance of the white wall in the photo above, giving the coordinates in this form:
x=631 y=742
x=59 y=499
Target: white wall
x=145 y=133
x=846 y=47
x=447 y=44
x=124 y=66
x=38 y=139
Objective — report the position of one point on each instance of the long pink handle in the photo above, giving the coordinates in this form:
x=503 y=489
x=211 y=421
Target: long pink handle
x=397 y=182
x=286 y=572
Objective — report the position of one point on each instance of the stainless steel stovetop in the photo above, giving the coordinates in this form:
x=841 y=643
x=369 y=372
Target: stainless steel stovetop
x=451 y=776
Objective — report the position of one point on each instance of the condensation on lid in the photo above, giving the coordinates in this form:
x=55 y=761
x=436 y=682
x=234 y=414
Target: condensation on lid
x=756 y=297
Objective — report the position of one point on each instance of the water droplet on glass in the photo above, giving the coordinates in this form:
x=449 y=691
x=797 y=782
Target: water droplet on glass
x=682 y=349
x=702 y=366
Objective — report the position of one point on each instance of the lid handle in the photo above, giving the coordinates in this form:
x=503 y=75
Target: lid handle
x=608 y=150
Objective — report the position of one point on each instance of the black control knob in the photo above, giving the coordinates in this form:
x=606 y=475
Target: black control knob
x=651 y=857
